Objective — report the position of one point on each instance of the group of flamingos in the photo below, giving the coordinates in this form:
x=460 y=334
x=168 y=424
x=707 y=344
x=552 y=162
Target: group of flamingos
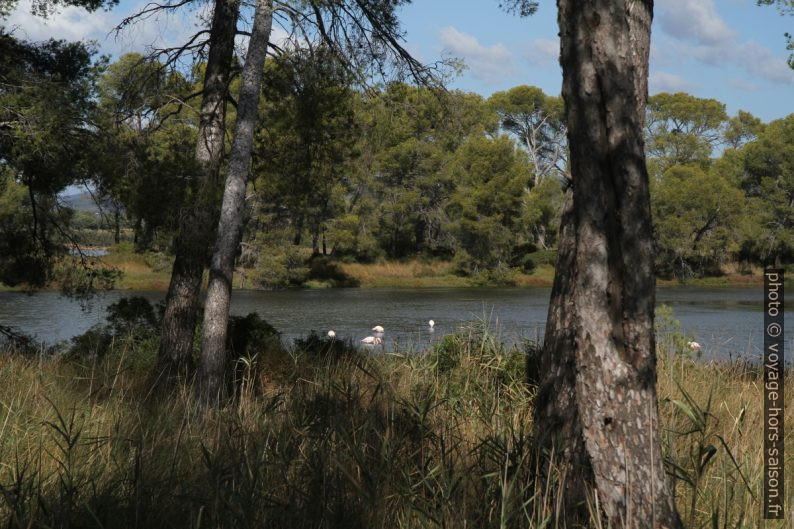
x=377 y=338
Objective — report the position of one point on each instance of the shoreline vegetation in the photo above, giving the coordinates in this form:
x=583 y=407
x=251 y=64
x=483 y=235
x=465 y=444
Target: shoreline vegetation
x=150 y=271
x=325 y=434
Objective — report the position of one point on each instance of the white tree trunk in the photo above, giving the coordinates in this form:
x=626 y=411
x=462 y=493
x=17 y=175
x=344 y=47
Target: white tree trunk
x=197 y=222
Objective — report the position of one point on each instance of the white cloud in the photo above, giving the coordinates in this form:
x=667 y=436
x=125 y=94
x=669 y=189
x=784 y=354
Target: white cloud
x=543 y=52
x=762 y=62
x=76 y=24
x=489 y=64
x=695 y=20
x=668 y=82
x=697 y=31
x=71 y=23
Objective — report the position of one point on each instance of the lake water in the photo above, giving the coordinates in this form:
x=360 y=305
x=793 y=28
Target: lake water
x=725 y=321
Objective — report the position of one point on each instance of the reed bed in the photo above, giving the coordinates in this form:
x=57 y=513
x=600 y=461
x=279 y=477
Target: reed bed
x=322 y=435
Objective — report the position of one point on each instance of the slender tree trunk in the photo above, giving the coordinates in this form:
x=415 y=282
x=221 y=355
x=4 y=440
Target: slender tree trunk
x=540 y=237
x=211 y=384
x=597 y=409
x=117 y=225
x=316 y=240
x=197 y=224
x=298 y=232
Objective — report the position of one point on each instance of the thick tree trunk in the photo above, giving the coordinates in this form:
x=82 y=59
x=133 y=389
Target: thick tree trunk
x=597 y=409
x=211 y=384
x=197 y=225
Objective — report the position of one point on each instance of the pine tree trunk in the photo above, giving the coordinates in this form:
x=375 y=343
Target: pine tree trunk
x=117 y=225
x=316 y=240
x=197 y=224
x=211 y=384
x=597 y=405
x=298 y=232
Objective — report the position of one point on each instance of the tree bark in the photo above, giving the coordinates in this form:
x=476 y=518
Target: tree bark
x=116 y=224
x=316 y=239
x=211 y=384
x=597 y=410
x=197 y=224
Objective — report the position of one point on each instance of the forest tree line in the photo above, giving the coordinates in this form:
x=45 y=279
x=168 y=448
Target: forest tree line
x=394 y=171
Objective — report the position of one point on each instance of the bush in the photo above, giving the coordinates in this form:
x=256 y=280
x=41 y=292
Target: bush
x=280 y=267
x=130 y=314
x=316 y=346
x=500 y=276
x=521 y=257
x=324 y=269
x=446 y=354
x=543 y=257
x=130 y=320
x=250 y=335
x=159 y=261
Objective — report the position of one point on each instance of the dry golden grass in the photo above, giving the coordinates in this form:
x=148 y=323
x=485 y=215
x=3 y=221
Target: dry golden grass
x=420 y=274
x=440 y=439
x=404 y=274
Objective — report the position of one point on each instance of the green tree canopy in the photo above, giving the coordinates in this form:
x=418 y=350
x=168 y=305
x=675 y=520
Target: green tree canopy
x=768 y=180
x=696 y=214
x=47 y=95
x=682 y=129
x=536 y=121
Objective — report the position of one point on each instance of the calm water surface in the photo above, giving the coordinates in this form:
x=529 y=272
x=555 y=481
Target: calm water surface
x=726 y=321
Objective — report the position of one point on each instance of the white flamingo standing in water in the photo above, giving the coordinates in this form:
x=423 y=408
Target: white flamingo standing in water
x=432 y=324
x=378 y=329
x=372 y=340
x=331 y=334
x=694 y=346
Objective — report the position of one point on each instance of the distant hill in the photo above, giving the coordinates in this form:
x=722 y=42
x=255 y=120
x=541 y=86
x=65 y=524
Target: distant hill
x=82 y=202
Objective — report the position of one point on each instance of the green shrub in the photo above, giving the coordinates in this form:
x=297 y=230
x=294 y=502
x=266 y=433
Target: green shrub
x=280 y=267
x=521 y=257
x=326 y=270
x=543 y=257
x=316 y=346
x=130 y=320
x=250 y=335
x=501 y=276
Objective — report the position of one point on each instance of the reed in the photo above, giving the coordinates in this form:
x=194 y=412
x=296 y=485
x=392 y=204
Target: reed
x=325 y=436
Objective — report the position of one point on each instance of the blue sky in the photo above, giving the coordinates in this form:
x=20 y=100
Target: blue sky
x=731 y=50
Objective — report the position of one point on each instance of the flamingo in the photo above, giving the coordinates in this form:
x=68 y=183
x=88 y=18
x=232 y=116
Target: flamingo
x=331 y=334
x=693 y=346
x=378 y=329
x=372 y=340
x=431 y=323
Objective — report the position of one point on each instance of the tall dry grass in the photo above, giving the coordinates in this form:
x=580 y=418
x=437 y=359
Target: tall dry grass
x=342 y=440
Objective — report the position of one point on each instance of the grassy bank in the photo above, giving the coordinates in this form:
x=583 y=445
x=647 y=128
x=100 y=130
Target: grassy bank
x=342 y=440
x=151 y=271
x=417 y=274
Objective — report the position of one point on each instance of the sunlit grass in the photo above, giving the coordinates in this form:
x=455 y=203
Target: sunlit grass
x=421 y=274
x=405 y=274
